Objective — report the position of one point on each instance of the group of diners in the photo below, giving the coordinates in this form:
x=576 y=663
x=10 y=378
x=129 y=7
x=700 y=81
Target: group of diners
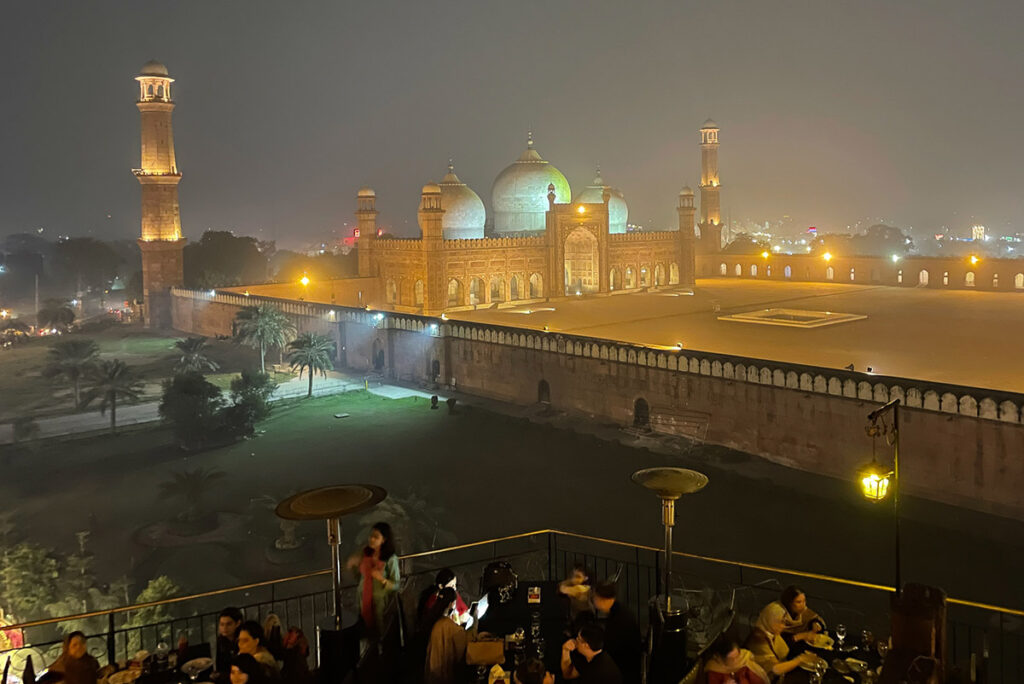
x=776 y=644
x=605 y=645
x=251 y=653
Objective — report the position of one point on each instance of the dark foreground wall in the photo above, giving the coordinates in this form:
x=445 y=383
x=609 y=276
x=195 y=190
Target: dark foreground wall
x=960 y=445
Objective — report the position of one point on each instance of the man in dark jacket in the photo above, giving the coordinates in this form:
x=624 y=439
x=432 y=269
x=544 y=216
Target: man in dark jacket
x=622 y=639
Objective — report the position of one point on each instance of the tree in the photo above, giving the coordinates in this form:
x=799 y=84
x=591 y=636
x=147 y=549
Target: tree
x=191 y=404
x=158 y=589
x=263 y=326
x=28 y=575
x=745 y=243
x=72 y=360
x=85 y=263
x=112 y=381
x=221 y=259
x=193 y=355
x=312 y=352
x=56 y=313
x=191 y=486
x=250 y=396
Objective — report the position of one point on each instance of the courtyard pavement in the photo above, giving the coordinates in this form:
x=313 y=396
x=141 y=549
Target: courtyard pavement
x=960 y=337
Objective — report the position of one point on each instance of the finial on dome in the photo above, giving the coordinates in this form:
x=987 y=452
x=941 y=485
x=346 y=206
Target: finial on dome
x=451 y=166
x=529 y=140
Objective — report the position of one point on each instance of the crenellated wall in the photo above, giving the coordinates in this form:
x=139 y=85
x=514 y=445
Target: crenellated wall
x=960 y=445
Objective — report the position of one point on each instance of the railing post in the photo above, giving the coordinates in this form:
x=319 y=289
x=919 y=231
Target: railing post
x=111 y=638
x=551 y=556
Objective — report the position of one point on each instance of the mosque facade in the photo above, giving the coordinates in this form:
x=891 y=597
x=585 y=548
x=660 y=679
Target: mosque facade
x=545 y=243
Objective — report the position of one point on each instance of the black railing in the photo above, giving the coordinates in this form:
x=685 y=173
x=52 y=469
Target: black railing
x=990 y=636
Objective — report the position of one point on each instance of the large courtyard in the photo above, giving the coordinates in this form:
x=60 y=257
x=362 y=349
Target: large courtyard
x=958 y=337
x=483 y=472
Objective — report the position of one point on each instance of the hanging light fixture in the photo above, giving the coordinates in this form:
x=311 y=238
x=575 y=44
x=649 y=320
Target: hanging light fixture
x=874 y=478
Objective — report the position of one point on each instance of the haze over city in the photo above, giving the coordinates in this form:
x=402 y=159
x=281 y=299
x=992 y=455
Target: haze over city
x=830 y=112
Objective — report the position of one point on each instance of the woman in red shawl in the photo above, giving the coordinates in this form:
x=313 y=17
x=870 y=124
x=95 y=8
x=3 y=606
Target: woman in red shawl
x=377 y=566
x=729 y=664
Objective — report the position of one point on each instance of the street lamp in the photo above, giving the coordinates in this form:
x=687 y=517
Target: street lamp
x=877 y=481
x=827 y=256
x=974 y=260
x=764 y=255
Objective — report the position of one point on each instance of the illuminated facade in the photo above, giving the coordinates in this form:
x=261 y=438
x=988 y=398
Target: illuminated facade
x=160 y=241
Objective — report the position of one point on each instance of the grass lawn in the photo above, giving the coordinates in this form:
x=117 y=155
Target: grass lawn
x=151 y=355
x=474 y=475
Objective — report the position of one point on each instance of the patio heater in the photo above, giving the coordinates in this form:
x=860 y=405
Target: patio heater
x=330 y=503
x=668 y=658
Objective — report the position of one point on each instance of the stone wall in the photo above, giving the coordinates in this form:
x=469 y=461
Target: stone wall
x=955 y=273
x=960 y=445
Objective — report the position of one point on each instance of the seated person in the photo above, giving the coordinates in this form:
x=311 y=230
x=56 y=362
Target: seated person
x=446 y=645
x=577 y=588
x=622 y=638
x=726 y=663
x=228 y=622
x=251 y=642
x=596 y=666
x=802 y=623
x=245 y=670
x=445 y=578
x=769 y=648
x=531 y=671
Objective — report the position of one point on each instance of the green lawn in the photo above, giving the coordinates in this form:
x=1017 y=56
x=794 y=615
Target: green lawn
x=150 y=354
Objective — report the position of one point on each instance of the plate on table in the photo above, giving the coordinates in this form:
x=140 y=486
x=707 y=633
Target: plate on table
x=197 y=665
x=814 y=664
x=822 y=641
x=124 y=677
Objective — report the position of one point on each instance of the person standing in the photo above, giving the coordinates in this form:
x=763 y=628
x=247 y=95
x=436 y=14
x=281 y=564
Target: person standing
x=622 y=638
x=377 y=567
x=228 y=622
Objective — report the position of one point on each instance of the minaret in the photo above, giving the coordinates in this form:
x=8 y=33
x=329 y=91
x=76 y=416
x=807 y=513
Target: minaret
x=687 y=265
x=430 y=216
x=366 y=215
x=710 y=203
x=161 y=241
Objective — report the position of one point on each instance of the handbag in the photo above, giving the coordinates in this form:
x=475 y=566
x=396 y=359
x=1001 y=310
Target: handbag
x=485 y=652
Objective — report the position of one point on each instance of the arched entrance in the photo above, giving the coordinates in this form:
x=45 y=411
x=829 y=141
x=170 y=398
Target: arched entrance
x=641 y=413
x=581 y=267
x=378 y=355
x=435 y=370
x=476 y=291
x=536 y=286
x=613 y=280
x=513 y=288
x=922 y=278
x=454 y=293
x=543 y=392
x=659 y=275
x=497 y=289
x=673 y=273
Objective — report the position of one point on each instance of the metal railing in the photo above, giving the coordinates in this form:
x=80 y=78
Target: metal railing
x=991 y=634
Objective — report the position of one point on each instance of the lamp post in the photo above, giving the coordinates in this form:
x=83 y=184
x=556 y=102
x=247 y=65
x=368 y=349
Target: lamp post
x=876 y=480
x=304 y=281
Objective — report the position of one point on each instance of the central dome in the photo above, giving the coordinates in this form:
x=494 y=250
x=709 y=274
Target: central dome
x=618 y=212
x=464 y=213
x=520 y=193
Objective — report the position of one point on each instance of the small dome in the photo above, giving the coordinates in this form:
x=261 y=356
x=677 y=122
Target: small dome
x=709 y=124
x=153 y=68
x=366 y=192
x=687 y=190
x=431 y=189
x=618 y=211
x=519 y=196
x=464 y=213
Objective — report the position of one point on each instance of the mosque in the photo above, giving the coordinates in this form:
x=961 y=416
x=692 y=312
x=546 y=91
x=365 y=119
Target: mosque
x=544 y=242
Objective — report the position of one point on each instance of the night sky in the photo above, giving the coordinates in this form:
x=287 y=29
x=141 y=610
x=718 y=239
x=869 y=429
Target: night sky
x=832 y=112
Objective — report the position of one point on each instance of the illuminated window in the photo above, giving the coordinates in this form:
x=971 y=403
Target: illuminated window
x=830 y=273
x=768 y=271
x=722 y=270
x=945 y=277
x=1018 y=281
x=753 y=270
x=852 y=277
x=899 y=276
x=788 y=272
x=738 y=270
x=995 y=280
x=922 y=278
x=969 y=279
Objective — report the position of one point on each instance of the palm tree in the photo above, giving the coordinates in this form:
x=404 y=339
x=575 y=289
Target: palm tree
x=193 y=355
x=112 y=381
x=261 y=327
x=314 y=352
x=72 y=360
x=191 y=486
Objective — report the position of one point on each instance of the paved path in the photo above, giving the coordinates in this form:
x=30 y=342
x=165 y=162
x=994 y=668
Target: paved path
x=92 y=421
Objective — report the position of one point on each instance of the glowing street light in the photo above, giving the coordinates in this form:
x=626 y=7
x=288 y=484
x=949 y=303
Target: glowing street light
x=895 y=258
x=974 y=260
x=876 y=480
x=764 y=255
x=581 y=209
x=304 y=280
x=827 y=256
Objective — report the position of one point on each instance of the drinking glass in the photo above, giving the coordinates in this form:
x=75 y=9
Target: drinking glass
x=841 y=635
